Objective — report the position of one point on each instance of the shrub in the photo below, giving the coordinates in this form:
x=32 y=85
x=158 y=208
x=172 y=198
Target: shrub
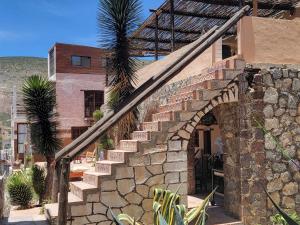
x=39 y=181
x=19 y=189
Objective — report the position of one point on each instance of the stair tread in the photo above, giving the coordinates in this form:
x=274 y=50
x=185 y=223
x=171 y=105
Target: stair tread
x=108 y=162
x=120 y=150
x=52 y=209
x=83 y=185
x=94 y=173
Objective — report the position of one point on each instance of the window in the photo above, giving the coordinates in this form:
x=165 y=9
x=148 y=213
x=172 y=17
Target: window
x=22 y=133
x=84 y=61
x=77 y=131
x=92 y=101
x=51 y=62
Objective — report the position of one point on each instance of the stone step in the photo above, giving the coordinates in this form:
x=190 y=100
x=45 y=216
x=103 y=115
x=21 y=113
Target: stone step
x=117 y=155
x=141 y=135
x=163 y=116
x=151 y=126
x=82 y=189
x=105 y=166
x=129 y=145
x=177 y=106
x=94 y=178
x=51 y=212
x=193 y=94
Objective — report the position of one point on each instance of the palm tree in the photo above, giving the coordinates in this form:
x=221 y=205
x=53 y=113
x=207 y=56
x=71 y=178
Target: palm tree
x=39 y=98
x=116 y=20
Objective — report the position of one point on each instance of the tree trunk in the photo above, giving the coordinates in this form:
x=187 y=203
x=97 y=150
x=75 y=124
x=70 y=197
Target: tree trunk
x=49 y=177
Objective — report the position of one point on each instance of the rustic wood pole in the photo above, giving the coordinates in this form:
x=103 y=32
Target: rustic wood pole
x=172 y=25
x=63 y=190
x=255 y=8
x=156 y=36
x=56 y=181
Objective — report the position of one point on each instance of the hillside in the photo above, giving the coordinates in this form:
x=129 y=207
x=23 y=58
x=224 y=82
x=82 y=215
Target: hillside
x=13 y=71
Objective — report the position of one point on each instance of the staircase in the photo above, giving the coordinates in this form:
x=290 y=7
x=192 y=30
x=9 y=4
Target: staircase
x=124 y=180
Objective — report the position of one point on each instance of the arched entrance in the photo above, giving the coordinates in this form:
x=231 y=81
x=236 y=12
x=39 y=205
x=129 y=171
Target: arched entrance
x=211 y=141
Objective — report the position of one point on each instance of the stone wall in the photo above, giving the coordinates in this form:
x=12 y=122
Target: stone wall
x=228 y=120
x=282 y=120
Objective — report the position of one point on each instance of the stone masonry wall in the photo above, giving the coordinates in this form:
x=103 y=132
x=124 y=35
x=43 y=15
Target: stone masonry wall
x=131 y=191
x=282 y=120
x=252 y=153
x=228 y=121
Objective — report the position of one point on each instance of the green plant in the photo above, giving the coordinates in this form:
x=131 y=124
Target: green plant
x=38 y=182
x=168 y=211
x=117 y=19
x=19 y=189
x=39 y=98
x=283 y=217
x=279 y=220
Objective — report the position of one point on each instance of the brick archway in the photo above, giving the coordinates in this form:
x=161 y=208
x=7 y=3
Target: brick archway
x=223 y=103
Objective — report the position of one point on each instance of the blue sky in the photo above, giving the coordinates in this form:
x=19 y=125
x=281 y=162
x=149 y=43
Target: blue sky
x=31 y=27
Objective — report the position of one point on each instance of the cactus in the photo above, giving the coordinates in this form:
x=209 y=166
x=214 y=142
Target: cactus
x=19 y=189
x=39 y=182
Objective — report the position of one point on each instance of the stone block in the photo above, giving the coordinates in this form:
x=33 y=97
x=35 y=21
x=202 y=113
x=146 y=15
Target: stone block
x=147 y=204
x=108 y=185
x=125 y=186
x=184 y=134
x=271 y=95
x=81 y=210
x=174 y=145
x=99 y=208
x=143 y=190
x=158 y=179
x=158 y=158
x=96 y=218
x=290 y=188
x=274 y=185
x=175 y=167
x=182 y=190
x=183 y=177
x=155 y=169
x=271 y=123
x=112 y=199
x=176 y=156
x=93 y=197
x=134 y=198
x=139 y=160
x=134 y=211
x=288 y=202
x=79 y=220
x=171 y=178
x=141 y=174
x=124 y=172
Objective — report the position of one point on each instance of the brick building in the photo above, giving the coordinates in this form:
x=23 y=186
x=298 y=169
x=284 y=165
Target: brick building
x=80 y=77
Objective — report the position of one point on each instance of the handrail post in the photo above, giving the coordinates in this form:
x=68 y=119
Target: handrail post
x=56 y=182
x=63 y=190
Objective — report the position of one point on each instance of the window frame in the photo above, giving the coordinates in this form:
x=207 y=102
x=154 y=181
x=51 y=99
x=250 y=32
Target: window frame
x=94 y=106
x=26 y=133
x=79 y=130
x=81 y=61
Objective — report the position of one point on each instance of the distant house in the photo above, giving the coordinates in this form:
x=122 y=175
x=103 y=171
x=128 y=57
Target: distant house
x=80 y=77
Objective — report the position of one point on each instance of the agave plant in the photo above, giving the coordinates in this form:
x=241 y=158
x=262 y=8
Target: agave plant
x=168 y=211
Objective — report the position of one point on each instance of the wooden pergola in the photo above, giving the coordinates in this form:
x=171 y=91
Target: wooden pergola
x=179 y=22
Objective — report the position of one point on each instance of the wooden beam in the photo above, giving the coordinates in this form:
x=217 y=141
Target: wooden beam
x=261 y=5
x=156 y=36
x=148 y=88
x=177 y=30
x=172 y=25
x=193 y=14
x=162 y=40
x=255 y=8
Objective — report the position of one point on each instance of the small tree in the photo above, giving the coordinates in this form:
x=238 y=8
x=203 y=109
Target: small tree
x=39 y=98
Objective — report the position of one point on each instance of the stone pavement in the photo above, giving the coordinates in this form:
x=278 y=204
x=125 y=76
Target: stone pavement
x=25 y=217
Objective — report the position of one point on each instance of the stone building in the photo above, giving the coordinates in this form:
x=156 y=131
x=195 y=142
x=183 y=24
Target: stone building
x=232 y=116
